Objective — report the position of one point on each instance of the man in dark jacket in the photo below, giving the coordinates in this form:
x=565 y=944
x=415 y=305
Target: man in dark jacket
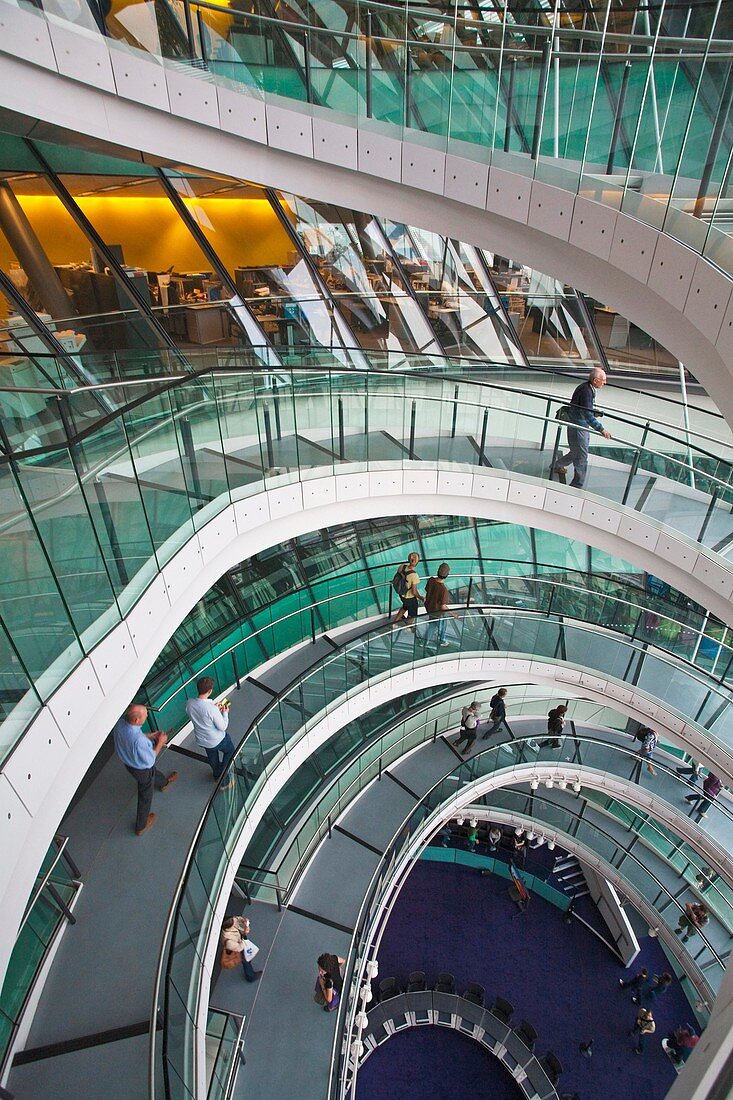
x=711 y=788
x=583 y=418
x=497 y=715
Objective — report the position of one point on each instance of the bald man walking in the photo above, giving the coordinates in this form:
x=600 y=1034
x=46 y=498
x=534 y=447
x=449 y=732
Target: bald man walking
x=583 y=417
x=139 y=752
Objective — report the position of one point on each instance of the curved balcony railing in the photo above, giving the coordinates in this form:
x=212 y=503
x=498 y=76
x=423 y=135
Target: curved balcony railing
x=282 y=724
x=703 y=963
x=635 y=120
x=287 y=838
x=348 y=595
x=96 y=501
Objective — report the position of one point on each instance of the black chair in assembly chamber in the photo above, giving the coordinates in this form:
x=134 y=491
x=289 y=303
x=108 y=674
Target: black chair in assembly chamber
x=503 y=1010
x=388 y=988
x=527 y=1034
x=446 y=983
x=416 y=982
x=475 y=993
x=552 y=1066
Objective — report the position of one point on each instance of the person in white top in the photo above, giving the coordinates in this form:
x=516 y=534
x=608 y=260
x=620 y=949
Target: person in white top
x=210 y=721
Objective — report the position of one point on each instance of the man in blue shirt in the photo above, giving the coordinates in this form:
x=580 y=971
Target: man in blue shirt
x=139 y=752
x=584 y=416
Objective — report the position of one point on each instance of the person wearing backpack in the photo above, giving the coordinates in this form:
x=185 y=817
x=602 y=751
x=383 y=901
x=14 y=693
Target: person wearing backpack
x=555 y=723
x=469 y=727
x=405 y=583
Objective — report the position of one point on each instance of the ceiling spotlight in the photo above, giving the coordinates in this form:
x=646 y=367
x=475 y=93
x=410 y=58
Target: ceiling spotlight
x=549 y=782
x=361 y=1020
x=535 y=784
x=562 y=784
x=357 y=1049
x=540 y=841
x=460 y=820
x=531 y=834
x=551 y=845
x=372 y=968
x=473 y=822
x=518 y=831
x=576 y=785
x=366 y=993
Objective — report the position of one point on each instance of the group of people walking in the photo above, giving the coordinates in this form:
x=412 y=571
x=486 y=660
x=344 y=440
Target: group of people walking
x=471 y=720
x=139 y=751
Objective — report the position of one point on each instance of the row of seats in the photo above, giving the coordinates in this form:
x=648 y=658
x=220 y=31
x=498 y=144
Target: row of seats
x=502 y=1009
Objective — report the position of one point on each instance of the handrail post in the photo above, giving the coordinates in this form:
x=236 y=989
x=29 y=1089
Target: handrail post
x=541 y=98
x=235 y=670
x=455 y=413
x=413 y=414
x=342 y=444
x=268 y=437
x=709 y=513
x=202 y=34
x=468 y=594
x=618 y=118
x=276 y=406
x=546 y=425
x=307 y=66
x=408 y=88
x=630 y=479
x=369 y=64
x=391 y=594
x=189 y=28
x=190 y=453
x=509 y=104
x=313 y=626
x=482 y=460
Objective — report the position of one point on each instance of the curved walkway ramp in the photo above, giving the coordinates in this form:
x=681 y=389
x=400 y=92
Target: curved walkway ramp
x=258 y=489
x=542 y=213
x=326 y=908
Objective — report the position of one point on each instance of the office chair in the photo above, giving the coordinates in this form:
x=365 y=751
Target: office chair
x=388 y=988
x=475 y=993
x=446 y=983
x=503 y=1010
x=527 y=1034
x=416 y=982
x=552 y=1066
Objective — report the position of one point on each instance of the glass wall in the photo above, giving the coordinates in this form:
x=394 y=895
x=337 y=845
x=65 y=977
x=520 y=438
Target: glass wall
x=107 y=260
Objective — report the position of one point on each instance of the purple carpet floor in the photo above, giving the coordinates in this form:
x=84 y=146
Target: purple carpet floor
x=434 y=1063
x=558 y=976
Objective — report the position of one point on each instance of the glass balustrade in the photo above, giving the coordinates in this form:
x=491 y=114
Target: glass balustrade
x=101 y=499
x=279 y=728
x=629 y=114
x=704 y=961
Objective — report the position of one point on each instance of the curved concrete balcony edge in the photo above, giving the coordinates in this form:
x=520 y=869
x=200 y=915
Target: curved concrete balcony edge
x=448 y=669
x=43 y=773
x=55 y=75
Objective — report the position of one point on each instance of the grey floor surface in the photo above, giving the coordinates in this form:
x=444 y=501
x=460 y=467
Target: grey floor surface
x=103 y=974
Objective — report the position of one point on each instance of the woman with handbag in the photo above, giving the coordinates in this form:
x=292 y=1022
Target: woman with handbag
x=236 y=947
x=329 y=982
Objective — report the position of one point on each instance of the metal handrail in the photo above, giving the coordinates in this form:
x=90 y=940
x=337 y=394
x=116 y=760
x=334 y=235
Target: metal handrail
x=341 y=1044
x=552 y=583
x=163 y=383
x=172 y=916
